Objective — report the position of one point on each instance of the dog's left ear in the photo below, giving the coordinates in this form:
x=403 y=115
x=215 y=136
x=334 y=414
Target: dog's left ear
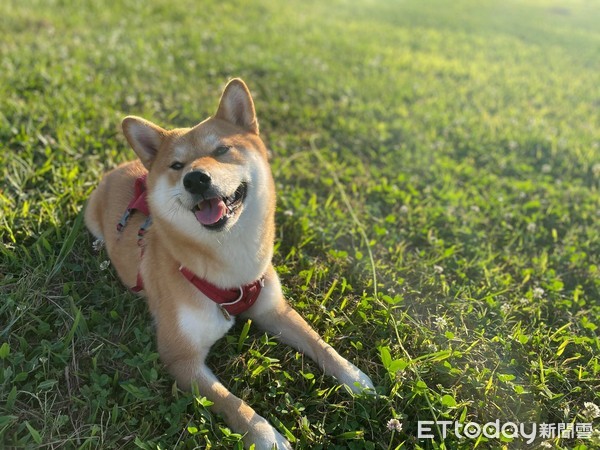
x=236 y=106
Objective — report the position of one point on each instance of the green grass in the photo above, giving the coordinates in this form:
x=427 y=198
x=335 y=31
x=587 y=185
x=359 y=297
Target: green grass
x=438 y=172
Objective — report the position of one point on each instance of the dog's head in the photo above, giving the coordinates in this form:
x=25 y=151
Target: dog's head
x=208 y=178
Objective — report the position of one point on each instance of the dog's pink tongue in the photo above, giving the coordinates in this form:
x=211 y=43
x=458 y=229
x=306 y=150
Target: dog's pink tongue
x=210 y=211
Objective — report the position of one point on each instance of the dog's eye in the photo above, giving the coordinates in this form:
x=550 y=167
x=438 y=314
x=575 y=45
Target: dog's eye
x=221 y=150
x=177 y=165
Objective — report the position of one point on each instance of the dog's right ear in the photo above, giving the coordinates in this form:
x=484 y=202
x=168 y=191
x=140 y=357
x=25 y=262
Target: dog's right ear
x=144 y=137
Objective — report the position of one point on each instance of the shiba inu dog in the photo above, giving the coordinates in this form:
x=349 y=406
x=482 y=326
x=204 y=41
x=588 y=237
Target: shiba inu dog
x=206 y=257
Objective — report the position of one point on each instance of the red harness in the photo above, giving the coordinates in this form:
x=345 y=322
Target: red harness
x=231 y=301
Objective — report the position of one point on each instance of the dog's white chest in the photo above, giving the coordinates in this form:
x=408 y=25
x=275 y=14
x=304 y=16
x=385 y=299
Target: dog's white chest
x=203 y=325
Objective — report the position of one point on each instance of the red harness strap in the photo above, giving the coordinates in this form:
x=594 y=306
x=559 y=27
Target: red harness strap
x=138 y=203
x=231 y=301
x=139 y=282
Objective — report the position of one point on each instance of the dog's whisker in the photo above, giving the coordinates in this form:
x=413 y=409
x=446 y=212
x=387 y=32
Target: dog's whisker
x=175 y=204
x=173 y=210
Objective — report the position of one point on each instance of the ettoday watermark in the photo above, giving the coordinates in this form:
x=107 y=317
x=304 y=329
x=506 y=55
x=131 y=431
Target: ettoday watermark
x=430 y=429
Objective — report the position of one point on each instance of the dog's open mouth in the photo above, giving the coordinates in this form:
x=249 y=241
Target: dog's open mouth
x=214 y=212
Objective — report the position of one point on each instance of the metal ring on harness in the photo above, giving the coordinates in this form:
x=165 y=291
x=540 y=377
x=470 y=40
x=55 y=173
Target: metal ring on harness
x=235 y=301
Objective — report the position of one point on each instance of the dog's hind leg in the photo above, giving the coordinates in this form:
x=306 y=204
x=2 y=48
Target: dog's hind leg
x=92 y=215
x=275 y=315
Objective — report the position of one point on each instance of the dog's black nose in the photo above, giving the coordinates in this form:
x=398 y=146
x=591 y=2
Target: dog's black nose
x=197 y=182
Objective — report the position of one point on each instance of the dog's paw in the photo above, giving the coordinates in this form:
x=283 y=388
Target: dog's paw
x=362 y=384
x=265 y=437
x=357 y=380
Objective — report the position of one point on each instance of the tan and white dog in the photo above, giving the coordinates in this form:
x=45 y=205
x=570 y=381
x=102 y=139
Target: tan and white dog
x=211 y=199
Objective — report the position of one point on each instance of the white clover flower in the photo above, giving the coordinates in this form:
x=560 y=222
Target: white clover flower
x=104 y=265
x=505 y=308
x=591 y=411
x=400 y=376
x=394 y=425
x=404 y=209
x=438 y=269
x=538 y=292
x=440 y=323
x=531 y=227
x=98 y=244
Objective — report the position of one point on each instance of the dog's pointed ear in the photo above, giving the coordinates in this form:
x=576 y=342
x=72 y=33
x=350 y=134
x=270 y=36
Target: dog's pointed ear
x=237 y=107
x=144 y=137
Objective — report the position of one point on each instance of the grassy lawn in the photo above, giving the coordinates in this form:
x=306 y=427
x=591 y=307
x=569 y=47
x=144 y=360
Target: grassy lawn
x=438 y=173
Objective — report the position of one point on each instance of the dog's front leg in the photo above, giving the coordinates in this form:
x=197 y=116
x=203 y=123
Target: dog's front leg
x=184 y=340
x=275 y=315
x=238 y=415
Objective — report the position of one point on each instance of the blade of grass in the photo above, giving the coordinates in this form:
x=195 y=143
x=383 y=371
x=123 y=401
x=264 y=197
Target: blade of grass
x=67 y=246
